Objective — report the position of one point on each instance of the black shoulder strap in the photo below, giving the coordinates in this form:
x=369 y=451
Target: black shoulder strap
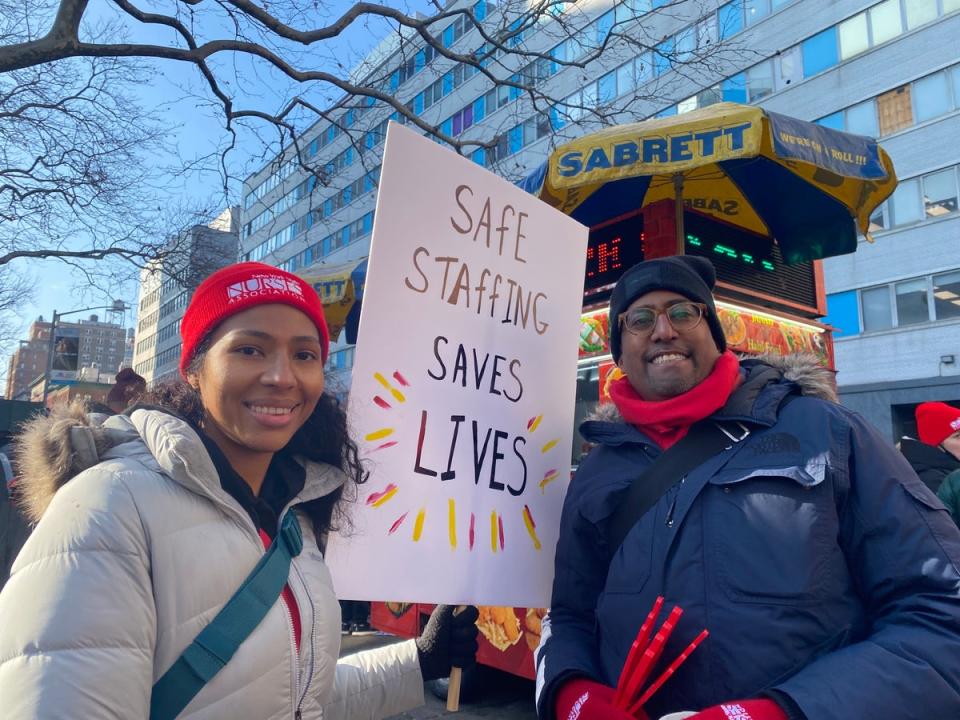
x=704 y=440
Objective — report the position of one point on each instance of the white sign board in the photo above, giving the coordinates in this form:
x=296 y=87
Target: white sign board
x=463 y=386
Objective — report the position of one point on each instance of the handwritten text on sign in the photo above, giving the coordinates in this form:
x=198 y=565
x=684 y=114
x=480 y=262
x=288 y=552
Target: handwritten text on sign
x=463 y=386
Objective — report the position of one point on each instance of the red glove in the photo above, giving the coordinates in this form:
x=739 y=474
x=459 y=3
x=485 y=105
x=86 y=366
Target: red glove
x=743 y=710
x=582 y=699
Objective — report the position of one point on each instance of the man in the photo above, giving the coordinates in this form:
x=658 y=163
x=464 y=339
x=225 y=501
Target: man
x=826 y=573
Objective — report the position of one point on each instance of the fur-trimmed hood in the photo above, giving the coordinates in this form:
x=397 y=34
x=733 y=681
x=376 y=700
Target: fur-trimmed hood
x=54 y=448
x=803 y=369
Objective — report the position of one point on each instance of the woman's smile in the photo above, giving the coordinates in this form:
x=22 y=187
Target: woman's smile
x=273 y=415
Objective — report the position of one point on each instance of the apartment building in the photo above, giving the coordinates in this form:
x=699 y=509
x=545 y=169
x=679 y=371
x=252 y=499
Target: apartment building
x=166 y=286
x=101 y=345
x=887 y=69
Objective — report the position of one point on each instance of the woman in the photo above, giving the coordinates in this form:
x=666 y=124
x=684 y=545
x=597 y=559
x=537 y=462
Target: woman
x=168 y=509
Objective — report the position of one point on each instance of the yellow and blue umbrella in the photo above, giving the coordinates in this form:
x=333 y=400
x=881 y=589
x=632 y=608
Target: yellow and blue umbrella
x=807 y=187
x=340 y=288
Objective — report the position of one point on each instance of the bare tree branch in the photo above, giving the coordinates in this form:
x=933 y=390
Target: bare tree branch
x=74 y=143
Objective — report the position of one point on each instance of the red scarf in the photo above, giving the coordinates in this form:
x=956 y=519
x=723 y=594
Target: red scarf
x=667 y=421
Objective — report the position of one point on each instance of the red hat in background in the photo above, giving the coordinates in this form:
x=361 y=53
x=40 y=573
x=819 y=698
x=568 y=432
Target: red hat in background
x=240 y=287
x=936 y=421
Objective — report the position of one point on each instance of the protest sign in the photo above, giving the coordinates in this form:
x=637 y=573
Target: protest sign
x=463 y=386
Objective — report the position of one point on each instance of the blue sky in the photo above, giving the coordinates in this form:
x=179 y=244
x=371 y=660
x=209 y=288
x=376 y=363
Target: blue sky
x=195 y=128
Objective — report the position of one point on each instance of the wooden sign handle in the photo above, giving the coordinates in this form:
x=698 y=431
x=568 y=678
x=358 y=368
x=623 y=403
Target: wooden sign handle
x=453 y=689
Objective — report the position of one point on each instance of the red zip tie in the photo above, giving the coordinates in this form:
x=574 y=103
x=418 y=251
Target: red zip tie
x=638 y=705
x=636 y=650
x=650 y=657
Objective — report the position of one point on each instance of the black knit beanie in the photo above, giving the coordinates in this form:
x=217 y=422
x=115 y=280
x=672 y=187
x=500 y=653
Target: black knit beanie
x=689 y=275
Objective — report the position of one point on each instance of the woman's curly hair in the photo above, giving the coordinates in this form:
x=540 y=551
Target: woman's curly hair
x=324 y=437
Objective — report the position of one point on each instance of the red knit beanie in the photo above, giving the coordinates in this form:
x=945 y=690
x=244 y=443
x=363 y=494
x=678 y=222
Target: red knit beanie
x=240 y=287
x=936 y=421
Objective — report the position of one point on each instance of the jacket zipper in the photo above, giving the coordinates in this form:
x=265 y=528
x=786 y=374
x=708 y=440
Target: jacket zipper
x=313 y=625
x=673 y=502
x=295 y=655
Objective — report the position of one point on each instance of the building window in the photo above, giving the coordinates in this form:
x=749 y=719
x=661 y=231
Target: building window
x=759 y=81
x=842 y=313
x=709 y=96
x=789 y=67
x=731 y=19
x=663 y=57
x=920 y=12
x=875 y=309
x=497 y=98
x=940 y=193
x=685 y=43
x=946 y=295
x=735 y=89
x=625 y=78
x=819 y=52
x=885 y=21
x=905 y=203
x=909 y=302
x=685 y=106
x=853 y=36
x=912 y=305
x=862 y=119
x=607 y=88
x=931 y=97
x=756 y=10
x=940 y=197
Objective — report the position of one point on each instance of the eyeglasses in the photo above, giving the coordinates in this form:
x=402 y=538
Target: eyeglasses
x=682 y=316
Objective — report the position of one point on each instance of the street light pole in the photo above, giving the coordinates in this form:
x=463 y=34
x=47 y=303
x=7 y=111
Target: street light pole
x=115 y=306
x=48 y=372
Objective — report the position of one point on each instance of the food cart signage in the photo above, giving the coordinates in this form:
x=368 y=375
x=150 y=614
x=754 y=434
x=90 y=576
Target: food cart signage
x=746 y=332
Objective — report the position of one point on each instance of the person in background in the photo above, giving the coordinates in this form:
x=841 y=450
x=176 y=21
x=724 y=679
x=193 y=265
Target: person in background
x=929 y=455
x=128 y=387
x=826 y=573
x=14 y=529
x=150 y=523
x=938 y=426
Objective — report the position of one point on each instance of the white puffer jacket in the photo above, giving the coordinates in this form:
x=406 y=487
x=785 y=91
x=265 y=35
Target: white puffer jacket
x=134 y=556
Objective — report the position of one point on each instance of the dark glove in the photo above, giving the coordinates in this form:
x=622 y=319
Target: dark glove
x=582 y=699
x=762 y=709
x=447 y=641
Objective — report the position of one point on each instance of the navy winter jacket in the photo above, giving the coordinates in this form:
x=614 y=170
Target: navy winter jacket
x=827 y=574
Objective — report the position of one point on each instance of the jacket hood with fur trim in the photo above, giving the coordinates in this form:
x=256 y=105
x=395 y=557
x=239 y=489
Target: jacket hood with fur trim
x=54 y=448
